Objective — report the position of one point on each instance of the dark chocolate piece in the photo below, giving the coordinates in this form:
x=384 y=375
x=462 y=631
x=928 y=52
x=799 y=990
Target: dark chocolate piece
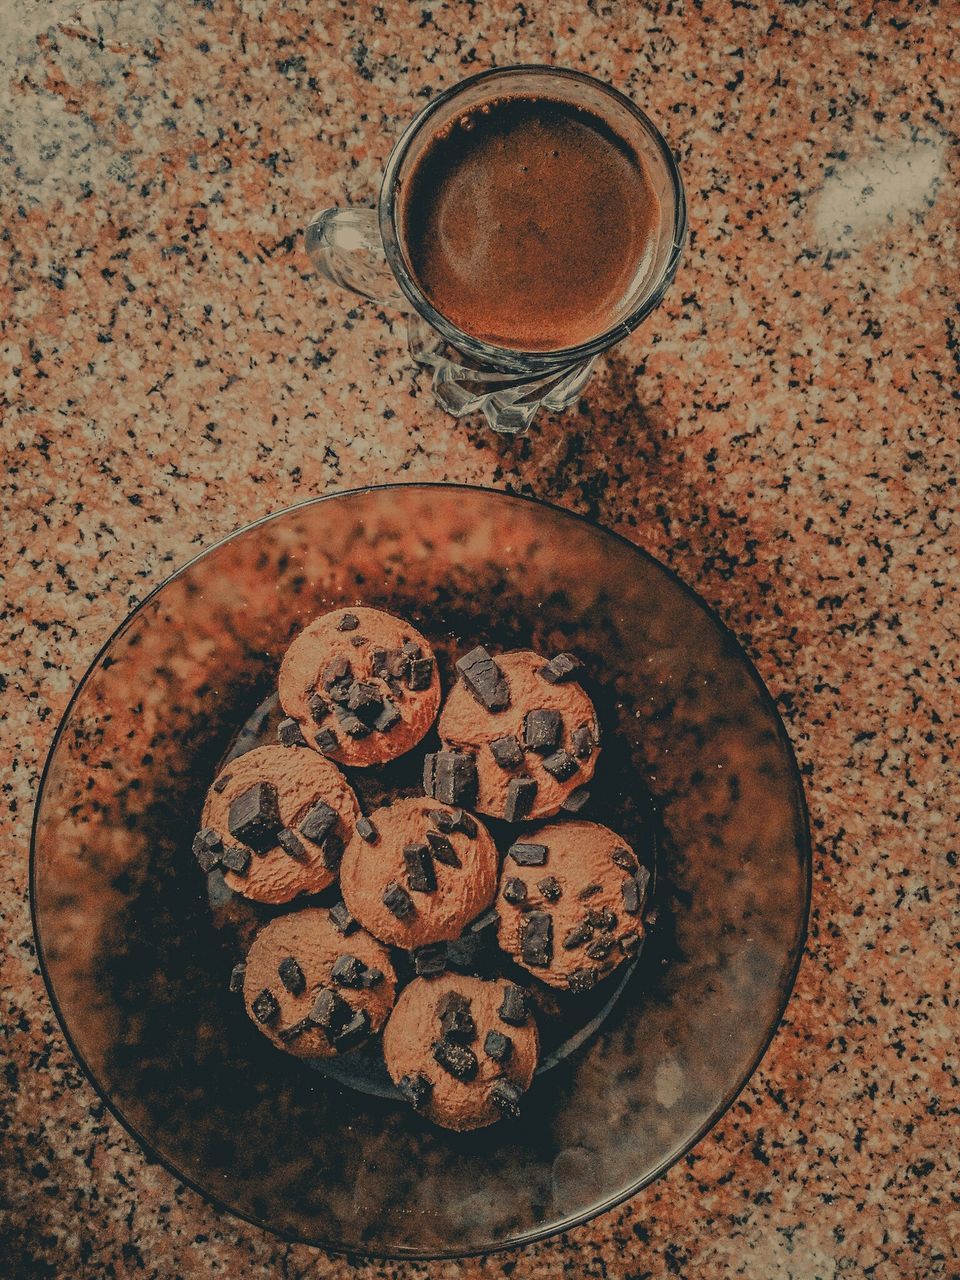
x=507 y=752
x=339 y=693
x=341 y=919
x=541 y=729
x=419 y=674
x=506 y=1095
x=327 y=741
x=515 y=891
x=390 y=664
x=489 y=920
x=576 y=800
x=453 y=820
x=265 y=1007
x=235 y=859
x=429 y=772
x=358 y=641
x=289 y=733
x=631 y=896
x=347 y=971
x=365 y=700
x=643 y=886
x=498 y=1046
x=367 y=831
x=421 y=876
x=397 y=900
x=337 y=671
x=590 y=891
x=513 y=1008
x=456 y=1020
x=603 y=919
x=291 y=844
x=600 y=949
x=293 y=1032
x=582 y=980
x=442 y=849
x=454 y=777
x=578 y=935
x=222 y=783
x=415 y=1089
x=318 y=708
x=444 y=819
x=561 y=765
x=466 y=823
x=332 y=849
x=207 y=858
x=317 y=823
x=349 y=622
x=254 y=817
x=560 y=667
x=536 y=939
x=236 y=976
x=624 y=859
x=582 y=741
x=456 y=1059
x=330 y=1011
x=291 y=975
x=352 y=725
x=370 y=976
x=388 y=717
x=430 y=960
x=410 y=650
x=528 y=855
x=629 y=942
x=549 y=888
x=520 y=797
x=484 y=679
x=353 y=1033
x=207 y=848
x=451 y=1000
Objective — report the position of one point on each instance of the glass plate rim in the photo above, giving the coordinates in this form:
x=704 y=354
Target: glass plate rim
x=570 y=1221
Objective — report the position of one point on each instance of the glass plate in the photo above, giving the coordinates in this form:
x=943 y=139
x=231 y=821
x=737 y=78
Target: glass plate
x=136 y=955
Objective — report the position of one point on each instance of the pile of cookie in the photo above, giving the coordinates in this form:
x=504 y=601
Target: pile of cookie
x=519 y=741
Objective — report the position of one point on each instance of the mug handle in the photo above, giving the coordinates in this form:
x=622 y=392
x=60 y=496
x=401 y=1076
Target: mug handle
x=345 y=247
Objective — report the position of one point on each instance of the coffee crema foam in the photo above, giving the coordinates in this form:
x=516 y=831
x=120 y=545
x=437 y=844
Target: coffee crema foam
x=526 y=222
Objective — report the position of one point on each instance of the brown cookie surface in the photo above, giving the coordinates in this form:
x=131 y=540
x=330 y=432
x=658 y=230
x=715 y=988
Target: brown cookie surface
x=460 y=1054
x=362 y=685
x=571 y=899
x=271 y=806
x=314 y=992
x=419 y=881
x=530 y=753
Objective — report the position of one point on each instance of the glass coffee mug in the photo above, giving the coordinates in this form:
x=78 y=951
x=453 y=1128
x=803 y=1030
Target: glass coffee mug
x=362 y=249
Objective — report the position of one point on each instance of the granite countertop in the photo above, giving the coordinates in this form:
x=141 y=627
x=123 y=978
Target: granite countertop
x=783 y=433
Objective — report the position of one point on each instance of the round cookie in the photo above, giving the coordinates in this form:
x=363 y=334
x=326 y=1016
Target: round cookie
x=314 y=991
x=277 y=819
x=362 y=685
x=530 y=728
x=420 y=873
x=571 y=899
x=461 y=1050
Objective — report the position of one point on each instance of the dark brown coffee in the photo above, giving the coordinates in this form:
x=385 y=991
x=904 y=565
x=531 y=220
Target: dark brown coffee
x=525 y=222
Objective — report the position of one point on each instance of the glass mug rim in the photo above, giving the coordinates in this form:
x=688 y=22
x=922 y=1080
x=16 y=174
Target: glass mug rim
x=512 y=358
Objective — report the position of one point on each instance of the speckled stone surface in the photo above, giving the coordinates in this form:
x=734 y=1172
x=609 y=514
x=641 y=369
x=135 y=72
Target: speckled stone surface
x=783 y=433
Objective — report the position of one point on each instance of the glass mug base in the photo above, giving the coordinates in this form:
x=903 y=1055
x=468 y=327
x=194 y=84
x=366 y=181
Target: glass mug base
x=360 y=249
x=509 y=402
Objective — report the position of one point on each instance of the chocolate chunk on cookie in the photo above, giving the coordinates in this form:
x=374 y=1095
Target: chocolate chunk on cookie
x=484 y=679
